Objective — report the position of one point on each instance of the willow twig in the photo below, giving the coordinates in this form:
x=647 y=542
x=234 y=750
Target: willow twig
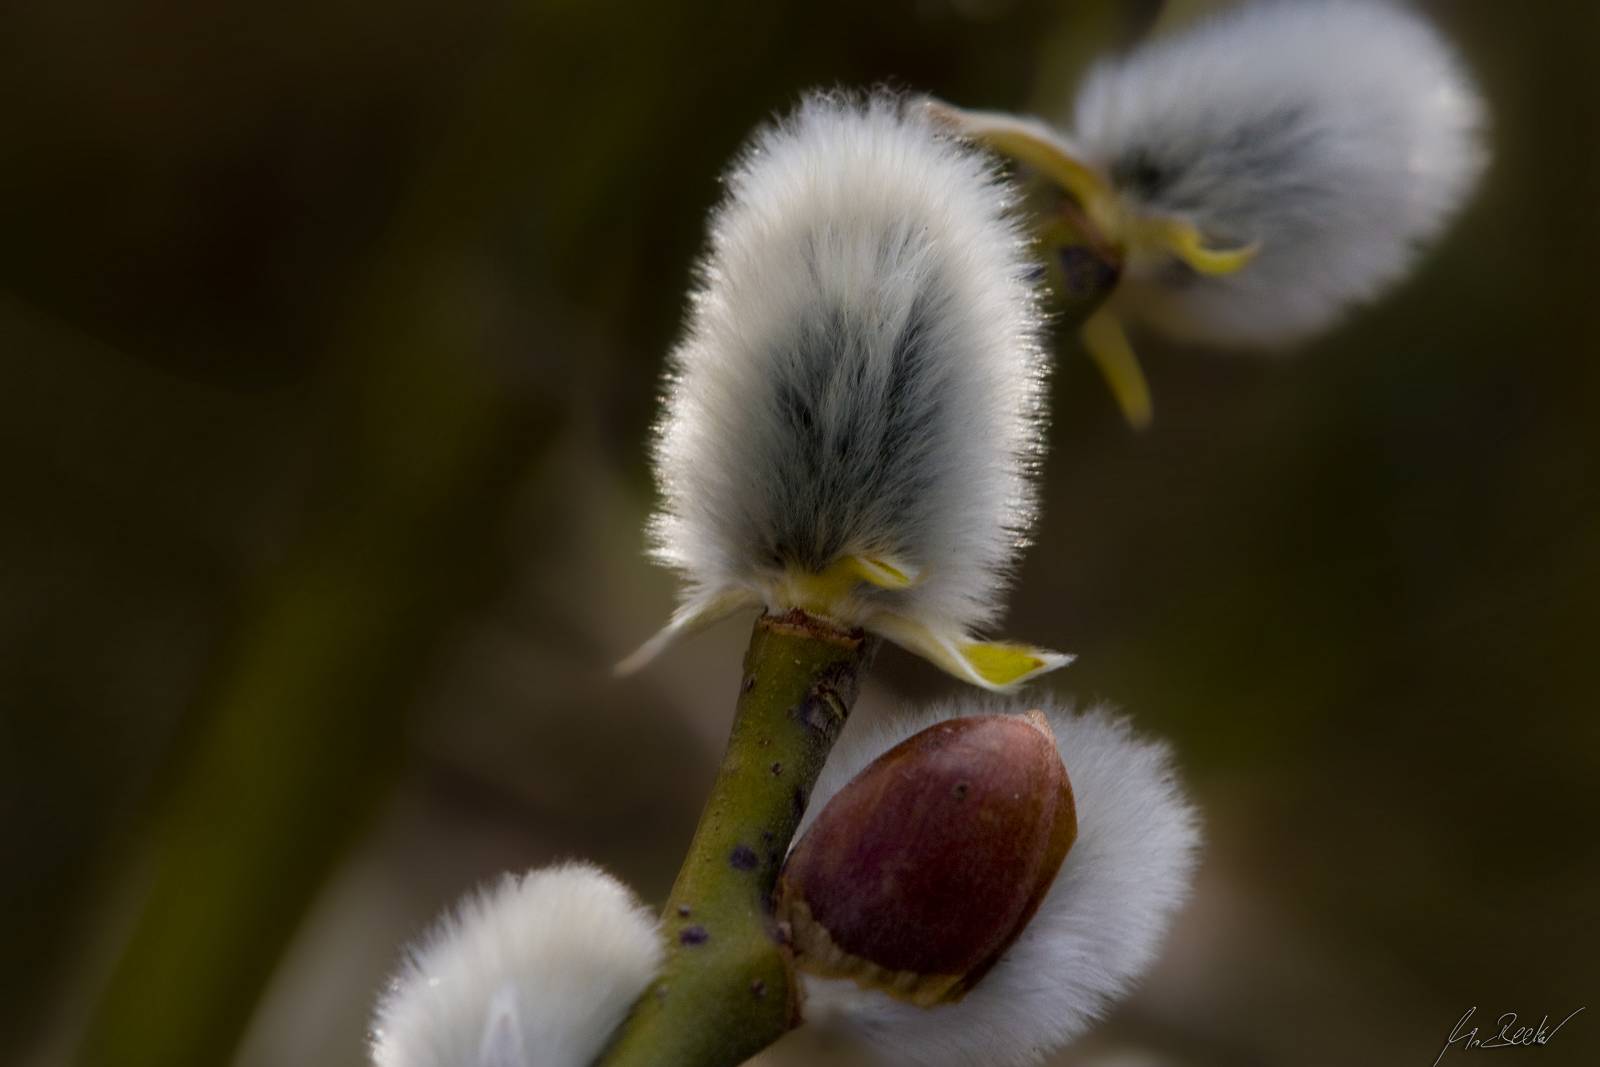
x=727 y=990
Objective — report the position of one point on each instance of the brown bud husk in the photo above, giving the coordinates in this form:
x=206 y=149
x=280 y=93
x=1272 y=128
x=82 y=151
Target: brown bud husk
x=923 y=870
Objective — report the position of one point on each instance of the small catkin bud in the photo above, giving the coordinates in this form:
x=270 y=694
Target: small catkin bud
x=926 y=867
x=532 y=971
x=1063 y=961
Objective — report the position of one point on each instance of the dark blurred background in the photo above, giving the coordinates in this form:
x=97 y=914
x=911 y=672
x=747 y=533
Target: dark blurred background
x=330 y=336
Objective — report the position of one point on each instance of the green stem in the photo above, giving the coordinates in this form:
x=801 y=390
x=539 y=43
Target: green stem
x=727 y=989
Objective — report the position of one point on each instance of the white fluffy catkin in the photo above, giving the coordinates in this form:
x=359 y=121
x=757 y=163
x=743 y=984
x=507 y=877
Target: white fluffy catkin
x=1098 y=929
x=1334 y=136
x=533 y=971
x=861 y=379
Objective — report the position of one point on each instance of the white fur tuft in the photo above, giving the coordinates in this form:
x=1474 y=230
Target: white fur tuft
x=1097 y=931
x=861 y=374
x=533 y=971
x=1336 y=135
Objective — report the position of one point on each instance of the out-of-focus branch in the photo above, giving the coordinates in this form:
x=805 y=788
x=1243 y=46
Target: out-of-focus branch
x=303 y=730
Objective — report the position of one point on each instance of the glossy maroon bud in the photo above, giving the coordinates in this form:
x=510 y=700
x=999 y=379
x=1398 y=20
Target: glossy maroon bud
x=922 y=870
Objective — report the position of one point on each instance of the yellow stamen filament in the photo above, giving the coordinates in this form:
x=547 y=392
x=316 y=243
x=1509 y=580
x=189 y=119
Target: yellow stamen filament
x=1183 y=240
x=1107 y=344
x=1032 y=144
x=1035 y=145
x=821 y=592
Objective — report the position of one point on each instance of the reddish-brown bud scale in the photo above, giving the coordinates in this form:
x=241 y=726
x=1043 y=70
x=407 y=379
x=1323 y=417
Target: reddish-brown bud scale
x=923 y=869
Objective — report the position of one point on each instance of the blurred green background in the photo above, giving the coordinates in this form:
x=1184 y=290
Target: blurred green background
x=330 y=335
